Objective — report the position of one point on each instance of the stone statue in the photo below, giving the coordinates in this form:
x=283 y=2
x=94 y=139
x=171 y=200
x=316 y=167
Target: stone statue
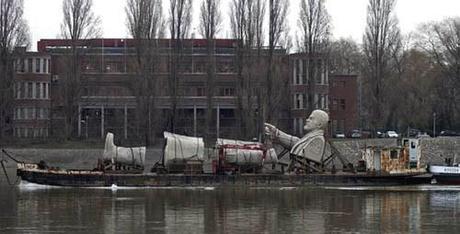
x=308 y=149
x=124 y=155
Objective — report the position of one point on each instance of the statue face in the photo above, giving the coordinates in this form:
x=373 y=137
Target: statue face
x=313 y=122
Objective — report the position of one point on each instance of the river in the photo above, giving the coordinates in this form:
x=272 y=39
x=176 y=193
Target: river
x=30 y=208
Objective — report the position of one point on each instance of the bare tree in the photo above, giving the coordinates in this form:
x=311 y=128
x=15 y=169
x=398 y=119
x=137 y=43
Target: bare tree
x=13 y=32
x=180 y=12
x=146 y=24
x=441 y=40
x=246 y=24
x=315 y=25
x=381 y=43
x=345 y=57
x=210 y=22
x=79 y=23
x=277 y=26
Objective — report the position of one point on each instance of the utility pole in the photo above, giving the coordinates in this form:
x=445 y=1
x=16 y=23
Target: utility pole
x=434 y=124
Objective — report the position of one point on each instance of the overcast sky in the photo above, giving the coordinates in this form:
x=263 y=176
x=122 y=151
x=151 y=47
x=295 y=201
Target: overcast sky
x=348 y=16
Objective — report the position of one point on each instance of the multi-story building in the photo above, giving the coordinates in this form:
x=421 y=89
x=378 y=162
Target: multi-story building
x=343 y=103
x=32 y=100
x=108 y=96
x=304 y=67
x=108 y=101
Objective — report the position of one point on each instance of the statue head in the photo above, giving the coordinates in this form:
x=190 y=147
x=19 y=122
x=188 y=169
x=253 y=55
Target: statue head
x=318 y=119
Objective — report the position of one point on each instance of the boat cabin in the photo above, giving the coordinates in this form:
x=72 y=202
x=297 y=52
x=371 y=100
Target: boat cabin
x=390 y=160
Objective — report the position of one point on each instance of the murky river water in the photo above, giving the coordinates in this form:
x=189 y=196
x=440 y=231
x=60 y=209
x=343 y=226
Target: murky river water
x=29 y=208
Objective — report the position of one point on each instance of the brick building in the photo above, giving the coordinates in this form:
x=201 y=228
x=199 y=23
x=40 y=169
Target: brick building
x=107 y=100
x=343 y=103
x=299 y=65
x=32 y=102
x=108 y=103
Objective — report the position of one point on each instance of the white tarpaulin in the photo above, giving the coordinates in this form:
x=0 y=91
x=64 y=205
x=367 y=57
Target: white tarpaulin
x=182 y=148
x=247 y=156
x=131 y=156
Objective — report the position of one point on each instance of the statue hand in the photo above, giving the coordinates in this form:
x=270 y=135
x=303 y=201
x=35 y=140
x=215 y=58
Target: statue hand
x=270 y=130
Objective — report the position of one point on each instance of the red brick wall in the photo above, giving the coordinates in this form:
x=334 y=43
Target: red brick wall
x=344 y=88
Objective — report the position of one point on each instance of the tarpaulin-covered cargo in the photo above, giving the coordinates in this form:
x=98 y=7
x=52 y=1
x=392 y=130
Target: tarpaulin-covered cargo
x=181 y=148
x=124 y=155
x=246 y=152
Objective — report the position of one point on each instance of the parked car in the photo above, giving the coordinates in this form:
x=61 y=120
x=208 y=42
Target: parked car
x=380 y=134
x=392 y=134
x=413 y=132
x=356 y=133
x=449 y=133
x=339 y=135
x=422 y=135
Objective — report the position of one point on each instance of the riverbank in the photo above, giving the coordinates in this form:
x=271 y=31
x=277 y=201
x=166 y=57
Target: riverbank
x=85 y=154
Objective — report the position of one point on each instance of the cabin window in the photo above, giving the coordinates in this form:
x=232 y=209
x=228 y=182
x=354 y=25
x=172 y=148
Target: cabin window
x=394 y=154
x=412 y=145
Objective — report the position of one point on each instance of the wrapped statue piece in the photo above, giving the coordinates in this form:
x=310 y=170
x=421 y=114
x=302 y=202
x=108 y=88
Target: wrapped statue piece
x=253 y=154
x=123 y=155
x=181 y=148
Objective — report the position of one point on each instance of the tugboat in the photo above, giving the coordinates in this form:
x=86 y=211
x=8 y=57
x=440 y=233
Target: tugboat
x=448 y=174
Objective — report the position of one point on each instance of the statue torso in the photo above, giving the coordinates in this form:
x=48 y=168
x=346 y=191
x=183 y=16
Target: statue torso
x=311 y=146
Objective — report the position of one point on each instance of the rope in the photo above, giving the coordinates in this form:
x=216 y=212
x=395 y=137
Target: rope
x=132 y=155
x=6 y=174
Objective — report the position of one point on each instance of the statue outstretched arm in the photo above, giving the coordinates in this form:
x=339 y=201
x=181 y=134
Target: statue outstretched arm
x=278 y=136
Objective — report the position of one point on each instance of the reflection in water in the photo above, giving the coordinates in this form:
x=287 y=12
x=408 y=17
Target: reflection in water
x=43 y=209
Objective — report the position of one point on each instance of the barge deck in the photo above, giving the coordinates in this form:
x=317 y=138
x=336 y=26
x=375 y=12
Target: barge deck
x=83 y=178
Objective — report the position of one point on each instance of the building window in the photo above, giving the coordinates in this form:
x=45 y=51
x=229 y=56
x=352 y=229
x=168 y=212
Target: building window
x=225 y=67
x=29 y=89
x=44 y=66
x=47 y=91
x=304 y=72
x=342 y=104
x=21 y=113
x=316 y=100
x=298 y=101
x=30 y=113
x=45 y=113
x=200 y=67
x=43 y=91
x=30 y=65
x=23 y=65
x=393 y=154
x=297 y=73
x=37 y=65
x=38 y=90
x=227 y=91
x=19 y=90
x=319 y=72
x=200 y=92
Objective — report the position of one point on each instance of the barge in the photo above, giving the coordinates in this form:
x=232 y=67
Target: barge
x=82 y=178
x=230 y=164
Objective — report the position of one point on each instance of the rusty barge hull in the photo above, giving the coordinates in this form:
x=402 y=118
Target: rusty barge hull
x=74 y=178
